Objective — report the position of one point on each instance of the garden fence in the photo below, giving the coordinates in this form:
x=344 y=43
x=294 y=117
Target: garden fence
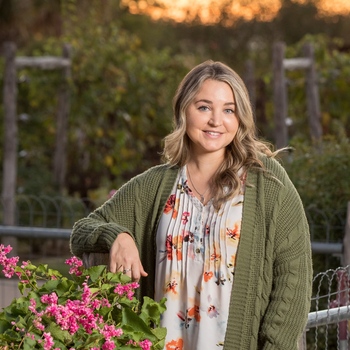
x=44 y=223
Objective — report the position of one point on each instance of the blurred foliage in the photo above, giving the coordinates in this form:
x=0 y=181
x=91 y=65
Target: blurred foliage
x=120 y=104
x=322 y=180
x=125 y=69
x=333 y=70
x=322 y=177
x=118 y=93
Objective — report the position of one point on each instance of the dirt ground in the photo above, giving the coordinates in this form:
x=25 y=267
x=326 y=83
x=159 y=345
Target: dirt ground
x=8 y=291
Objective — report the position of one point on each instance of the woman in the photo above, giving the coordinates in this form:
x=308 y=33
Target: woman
x=219 y=229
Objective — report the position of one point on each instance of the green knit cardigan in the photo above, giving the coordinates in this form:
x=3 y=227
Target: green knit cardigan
x=271 y=293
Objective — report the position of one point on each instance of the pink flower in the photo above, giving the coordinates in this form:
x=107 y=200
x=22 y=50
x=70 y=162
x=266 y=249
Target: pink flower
x=49 y=298
x=145 y=344
x=77 y=306
x=8 y=264
x=127 y=289
x=48 y=341
x=75 y=264
x=111 y=331
x=108 y=345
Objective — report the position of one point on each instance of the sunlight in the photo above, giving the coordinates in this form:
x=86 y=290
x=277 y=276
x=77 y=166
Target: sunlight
x=335 y=7
x=208 y=11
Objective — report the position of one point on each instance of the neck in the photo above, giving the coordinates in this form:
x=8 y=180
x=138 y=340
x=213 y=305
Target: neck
x=206 y=167
x=199 y=177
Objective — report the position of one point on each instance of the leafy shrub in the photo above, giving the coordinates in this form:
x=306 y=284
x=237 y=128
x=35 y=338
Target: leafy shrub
x=96 y=309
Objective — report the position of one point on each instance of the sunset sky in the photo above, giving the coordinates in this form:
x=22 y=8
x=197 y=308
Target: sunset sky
x=209 y=9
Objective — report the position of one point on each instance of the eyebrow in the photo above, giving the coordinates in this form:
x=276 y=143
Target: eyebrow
x=210 y=102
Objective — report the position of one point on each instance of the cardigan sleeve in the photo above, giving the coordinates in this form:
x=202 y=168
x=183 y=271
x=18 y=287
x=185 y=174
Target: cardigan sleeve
x=134 y=209
x=286 y=314
x=97 y=231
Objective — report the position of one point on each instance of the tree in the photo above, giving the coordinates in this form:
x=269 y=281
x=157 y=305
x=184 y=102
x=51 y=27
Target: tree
x=120 y=110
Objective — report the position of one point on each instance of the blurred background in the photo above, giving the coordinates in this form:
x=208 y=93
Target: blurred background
x=87 y=99
x=83 y=128
x=127 y=58
x=86 y=127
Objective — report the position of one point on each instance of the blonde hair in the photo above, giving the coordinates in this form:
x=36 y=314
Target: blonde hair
x=241 y=153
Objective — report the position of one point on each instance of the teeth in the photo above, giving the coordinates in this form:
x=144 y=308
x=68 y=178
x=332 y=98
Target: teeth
x=212 y=133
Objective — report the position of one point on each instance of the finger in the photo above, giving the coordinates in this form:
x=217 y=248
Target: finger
x=113 y=265
x=143 y=273
x=138 y=272
x=127 y=270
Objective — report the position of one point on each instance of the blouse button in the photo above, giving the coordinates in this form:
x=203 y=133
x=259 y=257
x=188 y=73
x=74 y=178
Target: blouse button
x=198 y=250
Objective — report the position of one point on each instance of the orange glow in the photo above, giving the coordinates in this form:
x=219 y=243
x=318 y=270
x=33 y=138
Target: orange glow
x=208 y=11
x=335 y=7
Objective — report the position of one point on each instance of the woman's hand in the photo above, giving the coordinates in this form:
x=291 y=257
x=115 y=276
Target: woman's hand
x=124 y=257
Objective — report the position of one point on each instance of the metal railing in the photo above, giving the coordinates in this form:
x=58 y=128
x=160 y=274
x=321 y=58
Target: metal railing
x=49 y=211
x=51 y=218
x=34 y=232
x=327 y=326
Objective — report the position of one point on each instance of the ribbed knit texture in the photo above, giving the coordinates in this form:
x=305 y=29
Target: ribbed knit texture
x=273 y=276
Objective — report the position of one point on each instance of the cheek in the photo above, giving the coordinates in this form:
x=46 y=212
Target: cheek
x=193 y=121
x=232 y=124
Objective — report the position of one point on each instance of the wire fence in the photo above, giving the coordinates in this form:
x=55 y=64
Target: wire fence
x=43 y=225
x=62 y=212
x=50 y=211
x=33 y=214
x=328 y=322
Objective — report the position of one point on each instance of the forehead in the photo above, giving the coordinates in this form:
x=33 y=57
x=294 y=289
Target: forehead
x=215 y=89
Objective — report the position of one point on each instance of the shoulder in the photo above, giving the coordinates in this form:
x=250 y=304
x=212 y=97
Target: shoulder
x=157 y=173
x=272 y=182
x=274 y=171
x=148 y=183
x=152 y=179
x=279 y=190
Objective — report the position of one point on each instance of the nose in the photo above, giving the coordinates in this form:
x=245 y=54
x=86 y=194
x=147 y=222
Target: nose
x=215 y=120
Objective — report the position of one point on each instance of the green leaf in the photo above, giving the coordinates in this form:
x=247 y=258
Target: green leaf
x=28 y=343
x=151 y=310
x=95 y=272
x=58 y=333
x=138 y=325
x=4 y=325
x=118 y=277
x=160 y=332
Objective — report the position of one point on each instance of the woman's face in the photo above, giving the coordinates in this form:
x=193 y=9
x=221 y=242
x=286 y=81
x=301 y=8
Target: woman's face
x=211 y=121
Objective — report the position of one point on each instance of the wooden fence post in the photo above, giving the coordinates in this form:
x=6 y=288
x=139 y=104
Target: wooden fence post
x=279 y=96
x=312 y=93
x=60 y=165
x=9 y=182
x=346 y=240
x=249 y=79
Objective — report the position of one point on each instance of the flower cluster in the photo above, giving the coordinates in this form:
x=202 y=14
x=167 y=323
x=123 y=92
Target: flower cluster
x=8 y=264
x=94 y=309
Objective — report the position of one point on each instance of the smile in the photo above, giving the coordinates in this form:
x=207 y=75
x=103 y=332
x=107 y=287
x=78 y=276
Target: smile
x=213 y=133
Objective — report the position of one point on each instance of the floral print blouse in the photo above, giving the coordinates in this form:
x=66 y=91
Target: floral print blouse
x=196 y=251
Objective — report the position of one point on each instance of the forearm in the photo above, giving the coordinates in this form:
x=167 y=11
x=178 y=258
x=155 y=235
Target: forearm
x=91 y=235
x=286 y=315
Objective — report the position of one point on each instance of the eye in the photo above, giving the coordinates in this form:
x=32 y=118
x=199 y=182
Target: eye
x=230 y=111
x=203 y=108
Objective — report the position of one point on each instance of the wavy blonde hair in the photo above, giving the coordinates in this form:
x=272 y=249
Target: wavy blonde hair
x=241 y=153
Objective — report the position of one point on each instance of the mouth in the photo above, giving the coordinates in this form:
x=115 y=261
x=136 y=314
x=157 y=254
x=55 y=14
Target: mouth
x=213 y=133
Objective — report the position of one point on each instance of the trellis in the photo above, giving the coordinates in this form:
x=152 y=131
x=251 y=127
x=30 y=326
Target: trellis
x=12 y=64
x=280 y=65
